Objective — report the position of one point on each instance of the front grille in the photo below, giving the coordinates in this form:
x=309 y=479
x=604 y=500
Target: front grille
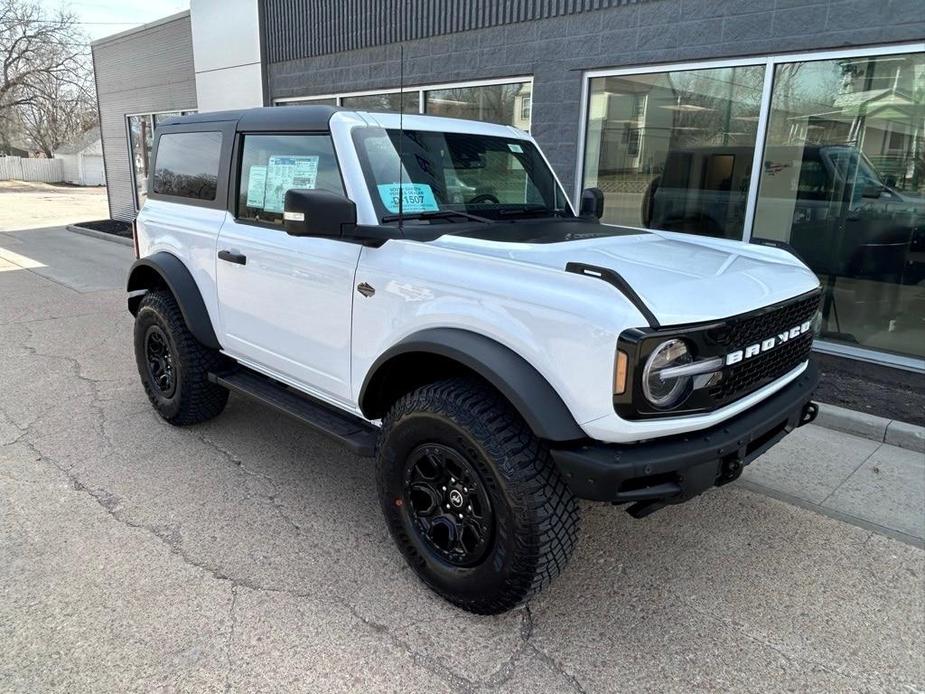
x=738 y=380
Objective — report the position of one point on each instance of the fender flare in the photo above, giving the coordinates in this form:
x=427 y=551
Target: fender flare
x=167 y=269
x=524 y=387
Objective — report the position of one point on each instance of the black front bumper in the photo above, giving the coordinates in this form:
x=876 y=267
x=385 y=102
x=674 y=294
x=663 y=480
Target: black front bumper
x=673 y=469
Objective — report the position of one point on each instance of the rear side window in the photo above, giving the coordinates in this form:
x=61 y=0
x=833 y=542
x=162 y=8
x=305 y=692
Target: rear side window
x=187 y=165
x=273 y=164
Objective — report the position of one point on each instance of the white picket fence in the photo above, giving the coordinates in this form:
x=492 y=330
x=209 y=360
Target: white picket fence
x=19 y=169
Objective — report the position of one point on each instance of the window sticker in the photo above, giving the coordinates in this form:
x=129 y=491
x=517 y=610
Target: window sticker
x=285 y=173
x=416 y=197
x=516 y=149
x=256 y=185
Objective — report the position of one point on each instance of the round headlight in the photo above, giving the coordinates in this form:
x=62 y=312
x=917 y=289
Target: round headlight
x=666 y=392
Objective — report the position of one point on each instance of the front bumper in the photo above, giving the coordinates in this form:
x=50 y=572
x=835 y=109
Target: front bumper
x=672 y=470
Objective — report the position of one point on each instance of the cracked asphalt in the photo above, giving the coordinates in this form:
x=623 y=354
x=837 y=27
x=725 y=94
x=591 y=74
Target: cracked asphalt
x=248 y=554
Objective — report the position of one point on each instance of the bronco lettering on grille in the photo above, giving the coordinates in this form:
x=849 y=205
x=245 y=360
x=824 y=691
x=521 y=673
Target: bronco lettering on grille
x=768 y=344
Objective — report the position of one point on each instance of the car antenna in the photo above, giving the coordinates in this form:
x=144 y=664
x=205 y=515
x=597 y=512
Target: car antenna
x=401 y=132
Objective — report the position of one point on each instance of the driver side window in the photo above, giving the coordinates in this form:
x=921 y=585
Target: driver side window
x=274 y=164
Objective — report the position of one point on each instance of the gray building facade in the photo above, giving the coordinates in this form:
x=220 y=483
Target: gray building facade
x=799 y=124
x=140 y=74
x=331 y=47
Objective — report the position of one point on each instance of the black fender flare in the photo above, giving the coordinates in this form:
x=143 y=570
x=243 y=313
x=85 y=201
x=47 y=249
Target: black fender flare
x=515 y=378
x=163 y=268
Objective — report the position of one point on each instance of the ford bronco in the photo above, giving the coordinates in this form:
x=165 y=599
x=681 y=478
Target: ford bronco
x=424 y=292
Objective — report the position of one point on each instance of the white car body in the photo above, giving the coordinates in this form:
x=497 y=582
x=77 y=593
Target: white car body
x=292 y=313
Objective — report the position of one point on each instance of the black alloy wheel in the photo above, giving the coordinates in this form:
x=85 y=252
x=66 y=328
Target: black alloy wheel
x=447 y=503
x=160 y=361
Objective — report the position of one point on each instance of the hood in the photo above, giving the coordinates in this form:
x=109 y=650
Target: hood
x=681 y=278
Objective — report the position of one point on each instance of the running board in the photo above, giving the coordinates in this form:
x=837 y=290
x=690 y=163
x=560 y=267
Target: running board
x=355 y=433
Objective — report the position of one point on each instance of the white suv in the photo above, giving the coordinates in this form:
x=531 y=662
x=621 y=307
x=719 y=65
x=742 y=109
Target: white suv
x=424 y=292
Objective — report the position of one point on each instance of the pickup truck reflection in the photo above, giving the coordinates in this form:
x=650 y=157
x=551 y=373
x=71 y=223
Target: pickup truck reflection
x=828 y=203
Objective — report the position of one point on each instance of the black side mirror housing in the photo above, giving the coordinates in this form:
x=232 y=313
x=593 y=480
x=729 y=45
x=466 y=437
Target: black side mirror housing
x=872 y=192
x=318 y=213
x=592 y=203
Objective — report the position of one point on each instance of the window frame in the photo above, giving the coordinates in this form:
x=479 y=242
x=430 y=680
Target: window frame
x=770 y=63
x=237 y=162
x=420 y=89
x=227 y=130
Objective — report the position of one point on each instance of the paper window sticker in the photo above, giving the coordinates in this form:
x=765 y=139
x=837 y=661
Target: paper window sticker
x=516 y=149
x=285 y=173
x=416 y=197
x=256 y=186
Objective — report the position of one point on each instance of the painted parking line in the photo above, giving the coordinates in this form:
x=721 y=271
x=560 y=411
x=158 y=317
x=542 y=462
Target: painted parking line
x=14 y=261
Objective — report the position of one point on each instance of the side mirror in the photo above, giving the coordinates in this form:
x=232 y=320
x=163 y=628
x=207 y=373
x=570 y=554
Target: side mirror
x=318 y=213
x=592 y=203
x=872 y=192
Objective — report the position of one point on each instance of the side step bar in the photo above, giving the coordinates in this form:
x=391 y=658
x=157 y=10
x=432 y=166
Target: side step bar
x=356 y=434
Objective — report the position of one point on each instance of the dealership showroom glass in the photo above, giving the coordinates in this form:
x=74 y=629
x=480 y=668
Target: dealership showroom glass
x=722 y=119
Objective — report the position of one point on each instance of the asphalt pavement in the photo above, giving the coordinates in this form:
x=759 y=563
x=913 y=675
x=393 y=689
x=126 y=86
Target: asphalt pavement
x=248 y=554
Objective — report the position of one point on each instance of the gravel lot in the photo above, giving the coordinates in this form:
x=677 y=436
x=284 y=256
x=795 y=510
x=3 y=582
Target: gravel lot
x=248 y=554
x=25 y=205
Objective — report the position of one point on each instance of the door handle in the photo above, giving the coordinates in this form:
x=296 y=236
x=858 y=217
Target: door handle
x=231 y=257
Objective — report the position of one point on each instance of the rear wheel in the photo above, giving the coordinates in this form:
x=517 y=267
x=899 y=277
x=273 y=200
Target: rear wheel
x=174 y=366
x=472 y=498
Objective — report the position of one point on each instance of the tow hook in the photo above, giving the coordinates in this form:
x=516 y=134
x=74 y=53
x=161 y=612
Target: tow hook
x=810 y=411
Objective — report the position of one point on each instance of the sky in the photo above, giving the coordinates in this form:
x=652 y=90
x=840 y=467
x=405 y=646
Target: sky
x=104 y=17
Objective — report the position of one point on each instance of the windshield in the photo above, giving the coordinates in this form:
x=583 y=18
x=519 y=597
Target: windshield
x=482 y=176
x=852 y=164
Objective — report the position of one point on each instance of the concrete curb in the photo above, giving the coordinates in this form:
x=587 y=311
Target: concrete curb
x=868 y=426
x=99 y=235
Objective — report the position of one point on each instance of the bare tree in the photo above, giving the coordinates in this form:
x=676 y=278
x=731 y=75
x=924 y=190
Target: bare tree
x=46 y=78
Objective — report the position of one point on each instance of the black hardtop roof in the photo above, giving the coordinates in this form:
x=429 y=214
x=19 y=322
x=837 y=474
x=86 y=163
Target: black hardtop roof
x=270 y=118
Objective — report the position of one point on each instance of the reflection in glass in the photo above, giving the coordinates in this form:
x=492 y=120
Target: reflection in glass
x=141 y=137
x=188 y=164
x=332 y=101
x=498 y=103
x=384 y=102
x=674 y=150
x=843 y=183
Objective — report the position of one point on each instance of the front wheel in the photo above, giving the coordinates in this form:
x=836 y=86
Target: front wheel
x=472 y=498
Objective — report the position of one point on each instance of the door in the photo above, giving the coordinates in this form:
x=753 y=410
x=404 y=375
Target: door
x=285 y=301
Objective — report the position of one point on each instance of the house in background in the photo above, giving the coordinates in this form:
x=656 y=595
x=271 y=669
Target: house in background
x=82 y=160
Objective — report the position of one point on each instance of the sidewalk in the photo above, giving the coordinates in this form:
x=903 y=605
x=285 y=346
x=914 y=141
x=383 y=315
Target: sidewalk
x=868 y=483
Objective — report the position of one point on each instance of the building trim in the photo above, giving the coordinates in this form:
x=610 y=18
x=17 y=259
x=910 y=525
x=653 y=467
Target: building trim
x=143 y=27
x=409 y=88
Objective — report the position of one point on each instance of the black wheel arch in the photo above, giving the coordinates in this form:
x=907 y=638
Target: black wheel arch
x=438 y=353
x=165 y=270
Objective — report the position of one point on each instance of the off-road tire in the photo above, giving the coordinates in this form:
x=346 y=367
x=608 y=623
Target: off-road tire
x=536 y=518
x=194 y=399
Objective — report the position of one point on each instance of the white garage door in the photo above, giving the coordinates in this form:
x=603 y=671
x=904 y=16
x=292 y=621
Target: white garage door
x=92 y=170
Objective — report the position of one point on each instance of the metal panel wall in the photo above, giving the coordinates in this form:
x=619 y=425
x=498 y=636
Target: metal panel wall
x=298 y=29
x=145 y=71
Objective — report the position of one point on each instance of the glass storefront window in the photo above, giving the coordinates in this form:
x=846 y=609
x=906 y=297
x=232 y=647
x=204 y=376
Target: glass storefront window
x=384 y=102
x=332 y=101
x=843 y=183
x=497 y=103
x=674 y=150
x=141 y=137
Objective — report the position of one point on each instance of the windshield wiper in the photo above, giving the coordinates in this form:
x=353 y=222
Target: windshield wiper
x=532 y=209
x=435 y=214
